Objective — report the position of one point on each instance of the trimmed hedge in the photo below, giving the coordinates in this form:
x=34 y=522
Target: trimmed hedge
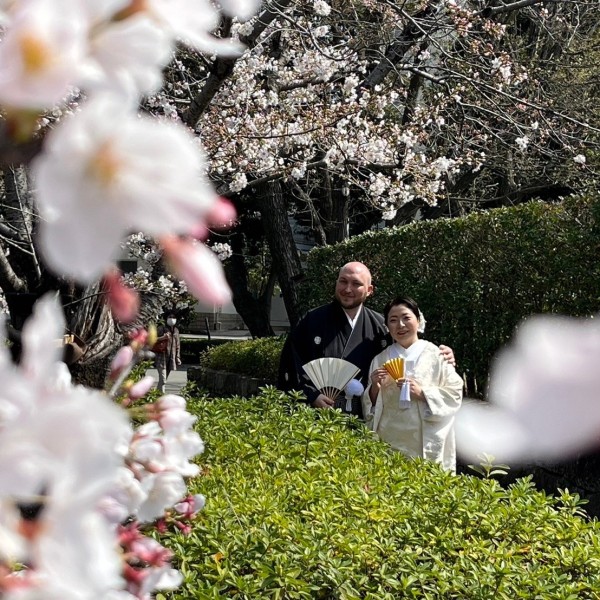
x=477 y=277
x=192 y=348
x=305 y=504
x=257 y=358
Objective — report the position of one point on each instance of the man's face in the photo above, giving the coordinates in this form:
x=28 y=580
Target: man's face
x=352 y=287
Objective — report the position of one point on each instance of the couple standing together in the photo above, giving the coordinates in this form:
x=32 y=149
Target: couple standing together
x=345 y=328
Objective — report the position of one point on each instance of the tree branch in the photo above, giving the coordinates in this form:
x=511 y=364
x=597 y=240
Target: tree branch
x=490 y=11
x=316 y=225
x=404 y=40
x=222 y=68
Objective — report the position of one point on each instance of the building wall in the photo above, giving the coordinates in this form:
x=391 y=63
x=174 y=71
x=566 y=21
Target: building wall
x=226 y=317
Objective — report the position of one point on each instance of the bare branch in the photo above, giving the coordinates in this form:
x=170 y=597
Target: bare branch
x=491 y=11
x=316 y=224
x=9 y=280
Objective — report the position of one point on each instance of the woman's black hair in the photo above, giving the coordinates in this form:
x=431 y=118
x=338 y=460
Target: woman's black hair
x=397 y=301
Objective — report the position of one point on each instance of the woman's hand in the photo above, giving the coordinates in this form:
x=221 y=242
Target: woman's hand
x=377 y=377
x=416 y=391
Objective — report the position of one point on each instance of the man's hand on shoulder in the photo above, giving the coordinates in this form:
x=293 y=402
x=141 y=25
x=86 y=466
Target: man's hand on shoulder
x=448 y=354
x=323 y=401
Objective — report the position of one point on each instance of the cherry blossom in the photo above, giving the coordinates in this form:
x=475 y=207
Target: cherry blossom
x=62 y=470
x=82 y=481
x=322 y=8
x=72 y=466
x=522 y=143
x=127 y=56
x=542 y=394
x=99 y=178
x=190 y=505
x=41 y=53
x=199 y=267
x=122 y=359
x=192 y=21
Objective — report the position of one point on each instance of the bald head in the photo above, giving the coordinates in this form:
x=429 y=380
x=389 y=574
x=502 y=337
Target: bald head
x=354 y=268
x=353 y=286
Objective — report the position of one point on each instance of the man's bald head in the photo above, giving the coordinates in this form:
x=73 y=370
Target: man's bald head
x=356 y=267
x=353 y=286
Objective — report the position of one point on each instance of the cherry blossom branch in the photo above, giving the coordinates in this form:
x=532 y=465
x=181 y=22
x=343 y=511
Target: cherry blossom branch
x=223 y=67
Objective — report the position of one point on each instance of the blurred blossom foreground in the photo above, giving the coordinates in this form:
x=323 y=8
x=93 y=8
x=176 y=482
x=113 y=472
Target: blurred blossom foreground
x=544 y=395
x=79 y=484
x=76 y=71
x=84 y=474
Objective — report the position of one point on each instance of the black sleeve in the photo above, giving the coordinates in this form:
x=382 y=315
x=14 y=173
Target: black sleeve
x=287 y=378
x=297 y=352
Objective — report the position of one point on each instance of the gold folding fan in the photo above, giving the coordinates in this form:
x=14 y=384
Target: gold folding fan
x=395 y=367
x=330 y=375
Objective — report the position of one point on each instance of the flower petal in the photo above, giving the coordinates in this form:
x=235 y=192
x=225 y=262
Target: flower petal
x=199 y=267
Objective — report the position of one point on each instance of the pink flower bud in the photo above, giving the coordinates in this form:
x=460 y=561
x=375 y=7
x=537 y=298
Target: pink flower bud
x=199 y=267
x=221 y=216
x=124 y=302
x=183 y=527
x=141 y=388
x=122 y=359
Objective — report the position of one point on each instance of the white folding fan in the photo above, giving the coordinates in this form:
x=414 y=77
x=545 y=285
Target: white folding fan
x=330 y=375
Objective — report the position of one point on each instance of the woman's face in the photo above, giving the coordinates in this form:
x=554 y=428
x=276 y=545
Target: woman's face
x=403 y=324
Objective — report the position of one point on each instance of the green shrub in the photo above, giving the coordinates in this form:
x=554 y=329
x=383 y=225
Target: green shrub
x=307 y=504
x=477 y=277
x=256 y=358
x=192 y=348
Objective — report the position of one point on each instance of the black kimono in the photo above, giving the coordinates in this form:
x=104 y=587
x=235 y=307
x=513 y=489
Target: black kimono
x=326 y=332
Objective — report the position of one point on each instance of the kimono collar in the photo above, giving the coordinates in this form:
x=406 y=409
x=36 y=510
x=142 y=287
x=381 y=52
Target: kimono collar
x=411 y=353
x=355 y=320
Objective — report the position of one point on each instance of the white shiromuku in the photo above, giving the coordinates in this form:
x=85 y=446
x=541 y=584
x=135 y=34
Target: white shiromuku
x=417 y=428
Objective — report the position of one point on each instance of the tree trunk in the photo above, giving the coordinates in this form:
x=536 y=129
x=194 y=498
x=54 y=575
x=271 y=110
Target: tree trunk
x=284 y=253
x=339 y=222
x=89 y=317
x=255 y=311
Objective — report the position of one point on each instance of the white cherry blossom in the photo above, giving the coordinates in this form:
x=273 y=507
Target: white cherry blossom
x=243 y=9
x=163 y=490
x=42 y=53
x=192 y=21
x=543 y=394
x=66 y=470
x=322 y=8
x=127 y=56
x=105 y=171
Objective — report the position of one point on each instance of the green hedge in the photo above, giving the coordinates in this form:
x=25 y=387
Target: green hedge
x=307 y=504
x=256 y=358
x=193 y=348
x=477 y=277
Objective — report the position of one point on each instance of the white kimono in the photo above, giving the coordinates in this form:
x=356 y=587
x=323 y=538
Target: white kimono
x=418 y=428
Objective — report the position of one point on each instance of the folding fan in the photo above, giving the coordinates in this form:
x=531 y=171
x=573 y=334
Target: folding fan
x=395 y=367
x=330 y=375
